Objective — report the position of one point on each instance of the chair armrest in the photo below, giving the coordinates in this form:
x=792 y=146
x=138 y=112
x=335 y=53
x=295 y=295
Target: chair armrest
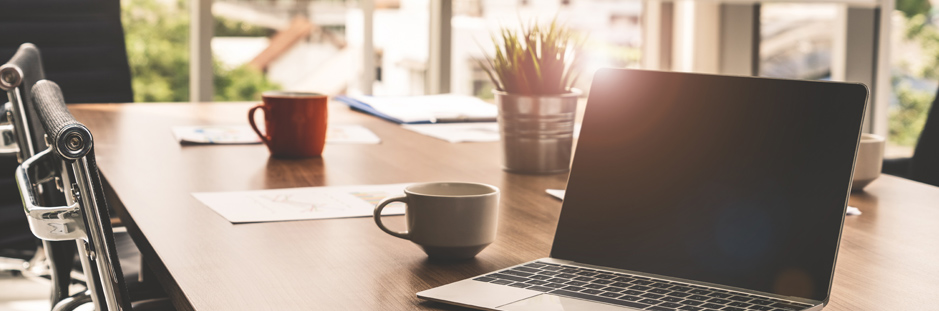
x=901 y=167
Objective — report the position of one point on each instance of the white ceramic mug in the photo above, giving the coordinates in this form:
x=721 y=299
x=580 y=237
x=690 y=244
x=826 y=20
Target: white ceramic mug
x=449 y=220
x=870 y=161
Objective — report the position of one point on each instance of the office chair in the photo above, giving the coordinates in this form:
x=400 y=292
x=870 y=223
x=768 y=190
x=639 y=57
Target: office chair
x=23 y=136
x=82 y=43
x=84 y=216
x=924 y=165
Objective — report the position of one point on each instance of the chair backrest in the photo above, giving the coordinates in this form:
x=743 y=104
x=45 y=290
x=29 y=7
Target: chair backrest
x=925 y=163
x=82 y=43
x=17 y=78
x=85 y=216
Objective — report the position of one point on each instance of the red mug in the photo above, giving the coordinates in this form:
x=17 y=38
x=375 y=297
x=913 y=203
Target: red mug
x=294 y=123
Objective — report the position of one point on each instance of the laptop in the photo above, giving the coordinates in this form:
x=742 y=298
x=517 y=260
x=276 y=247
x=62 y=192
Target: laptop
x=693 y=192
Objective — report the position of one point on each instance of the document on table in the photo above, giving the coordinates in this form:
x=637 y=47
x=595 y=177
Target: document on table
x=243 y=134
x=424 y=109
x=464 y=132
x=302 y=203
x=559 y=194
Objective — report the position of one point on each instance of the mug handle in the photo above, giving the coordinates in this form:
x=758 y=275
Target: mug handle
x=381 y=206
x=255 y=126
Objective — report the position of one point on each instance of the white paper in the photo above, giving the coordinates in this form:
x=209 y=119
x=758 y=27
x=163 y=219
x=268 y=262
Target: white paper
x=302 y=203
x=433 y=108
x=243 y=134
x=853 y=211
x=556 y=193
x=458 y=132
x=350 y=134
x=464 y=132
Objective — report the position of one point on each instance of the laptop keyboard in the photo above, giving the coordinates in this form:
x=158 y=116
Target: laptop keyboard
x=631 y=290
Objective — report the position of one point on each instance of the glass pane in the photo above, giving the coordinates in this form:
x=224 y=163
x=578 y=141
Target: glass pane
x=914 y=59
x=611 y=30
x=796 y=40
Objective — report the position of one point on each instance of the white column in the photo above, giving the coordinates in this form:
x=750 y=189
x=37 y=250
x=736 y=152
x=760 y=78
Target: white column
x=201 y=30
x=368 y=46
x=696 y=41
x=657 y=32
x=740 y=39
x=856 y=57
x=438 y=66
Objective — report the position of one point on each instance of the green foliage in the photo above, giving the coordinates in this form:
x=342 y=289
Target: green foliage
x=157 y=37
x=909 y=115
x=912 y=8
x=541 y=60
x=228 y=28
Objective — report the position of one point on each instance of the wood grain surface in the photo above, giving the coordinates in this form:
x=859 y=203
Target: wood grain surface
x=887 y=260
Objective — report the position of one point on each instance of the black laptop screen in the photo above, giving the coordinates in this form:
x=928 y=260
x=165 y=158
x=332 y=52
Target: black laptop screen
x=727 y=180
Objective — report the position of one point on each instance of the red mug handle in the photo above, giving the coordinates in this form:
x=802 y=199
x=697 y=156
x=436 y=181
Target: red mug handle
x=255 y=126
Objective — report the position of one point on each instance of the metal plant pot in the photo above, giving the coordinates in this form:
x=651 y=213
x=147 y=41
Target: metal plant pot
x=537 y=131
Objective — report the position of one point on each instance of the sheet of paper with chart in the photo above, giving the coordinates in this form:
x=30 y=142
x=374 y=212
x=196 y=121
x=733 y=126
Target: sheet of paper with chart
x=302 y=203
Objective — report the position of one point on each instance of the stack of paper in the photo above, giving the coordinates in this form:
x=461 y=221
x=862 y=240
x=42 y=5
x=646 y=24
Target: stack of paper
x=243 y=134
x=424 y=109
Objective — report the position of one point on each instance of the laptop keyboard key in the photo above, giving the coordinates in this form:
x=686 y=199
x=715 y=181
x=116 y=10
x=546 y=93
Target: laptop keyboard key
x=605 y=276
x=711 y=306
x=555 y=285
x=613 y=289
x=720 y=295
x=539 y=277
x=702 y=298
x=650 y=301
x=699 y=292
x=692 y=302
x=659 y=308
x=640 y=287
x=524 y=269
x=632 y=292
x=619 y=301
x=508 y=277
x=502 y=282
x=623 y=279
x=592 y=291
x=621 y=284
x=520 y=285
x=641 y=282
x=691 y=308
x=671 y=299
x=715 y=300
x=595 y=286
x=584 y=279
x=660 y=285
x=630 y=298
x=680 y=288
x=536 y=282
x=566 y=275
x=611 y=294
x=740 y=298
x=650 y=295
x=576 y=283
x=551 y=268
x=739 y=304
x=660 y=291
x=670 y=305
x=517 y=273
x=762 y=302
x=601 y=281
x=485 y=279
x=573 y=288
x=733 y=309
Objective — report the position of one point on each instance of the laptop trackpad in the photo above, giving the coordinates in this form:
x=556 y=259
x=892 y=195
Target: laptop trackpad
x=546 y=302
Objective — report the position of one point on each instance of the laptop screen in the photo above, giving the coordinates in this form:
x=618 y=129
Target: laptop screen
x=728 y=180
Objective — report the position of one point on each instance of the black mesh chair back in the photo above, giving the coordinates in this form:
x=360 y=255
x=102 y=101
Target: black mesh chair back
x=24 y=130
x=84 y=218
x=82 y=43
x=925 y=164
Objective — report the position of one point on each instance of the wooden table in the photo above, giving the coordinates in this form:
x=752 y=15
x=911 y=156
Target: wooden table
x=887 y=260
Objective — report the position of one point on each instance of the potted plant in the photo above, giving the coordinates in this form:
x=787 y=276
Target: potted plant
x=533 y=73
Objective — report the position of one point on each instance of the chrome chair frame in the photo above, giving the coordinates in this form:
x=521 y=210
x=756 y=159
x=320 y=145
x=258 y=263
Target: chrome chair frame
x=18 y=136
x=83 y=217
